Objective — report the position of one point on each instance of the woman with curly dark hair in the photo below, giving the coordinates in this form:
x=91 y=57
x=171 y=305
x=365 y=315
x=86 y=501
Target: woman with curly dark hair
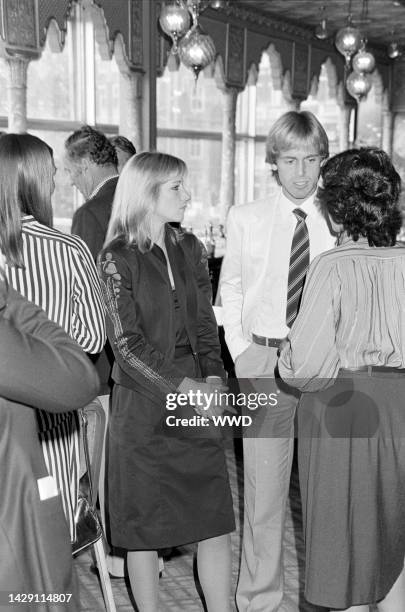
x=346 y=352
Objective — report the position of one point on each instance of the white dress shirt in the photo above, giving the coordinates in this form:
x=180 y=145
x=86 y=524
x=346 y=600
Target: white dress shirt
x=270 y=320
x=254 y=273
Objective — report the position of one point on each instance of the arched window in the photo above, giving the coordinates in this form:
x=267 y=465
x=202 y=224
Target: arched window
x=107 y=89
x=189 y=125
x=369 y=117
x=80 y=87
x=270 y=105
x=53 y=73
x=323 y=103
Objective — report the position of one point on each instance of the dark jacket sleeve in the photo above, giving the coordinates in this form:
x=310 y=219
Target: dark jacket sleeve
x=146 y=366
x=40 y=366
x=86 y=225
x=208 y=346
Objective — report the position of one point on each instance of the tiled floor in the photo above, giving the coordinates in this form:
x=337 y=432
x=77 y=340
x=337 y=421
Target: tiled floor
x=178 y=587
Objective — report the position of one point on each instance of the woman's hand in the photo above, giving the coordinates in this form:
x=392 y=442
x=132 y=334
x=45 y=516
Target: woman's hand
x=218 y=386
x=204 y=397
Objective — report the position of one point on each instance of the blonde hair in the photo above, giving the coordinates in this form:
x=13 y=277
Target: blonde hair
x=296 y=129
x=136 y=197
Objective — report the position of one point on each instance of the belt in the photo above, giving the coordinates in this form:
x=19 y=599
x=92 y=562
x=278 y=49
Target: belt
x=370 y=369
x=274 y=342
x=183 y=349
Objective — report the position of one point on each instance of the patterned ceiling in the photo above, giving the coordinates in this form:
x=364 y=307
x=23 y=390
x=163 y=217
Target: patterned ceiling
x=381 y=21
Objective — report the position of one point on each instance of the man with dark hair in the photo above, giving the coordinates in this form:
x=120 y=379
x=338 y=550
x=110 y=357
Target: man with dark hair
x=124 y=149
x=269 y=245
x=91 y=162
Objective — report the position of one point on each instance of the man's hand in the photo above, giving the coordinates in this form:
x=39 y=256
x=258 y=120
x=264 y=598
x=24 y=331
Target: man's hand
x=283 y=344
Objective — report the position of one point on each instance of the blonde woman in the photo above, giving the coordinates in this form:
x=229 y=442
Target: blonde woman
x=165 y=488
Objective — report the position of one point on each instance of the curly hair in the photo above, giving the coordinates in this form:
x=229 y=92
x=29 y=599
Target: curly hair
x=88 y=142
x=360 y=191
x=120 y=142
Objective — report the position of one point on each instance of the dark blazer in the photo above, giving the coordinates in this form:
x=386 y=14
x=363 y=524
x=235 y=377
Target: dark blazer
x=90 y=222
x=141 y=316
x=40 y=366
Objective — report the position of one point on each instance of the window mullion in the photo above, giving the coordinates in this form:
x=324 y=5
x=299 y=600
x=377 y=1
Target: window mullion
x=251 y=146
x=89 y=73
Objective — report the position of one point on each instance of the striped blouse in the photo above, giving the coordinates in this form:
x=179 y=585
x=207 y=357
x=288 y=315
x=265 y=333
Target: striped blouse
x=352 y=314
x=60 y=277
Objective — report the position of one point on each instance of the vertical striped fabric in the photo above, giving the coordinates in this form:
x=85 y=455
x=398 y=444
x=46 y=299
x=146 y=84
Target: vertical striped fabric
x=299 y=263
x=352 y=314
x=59 y=276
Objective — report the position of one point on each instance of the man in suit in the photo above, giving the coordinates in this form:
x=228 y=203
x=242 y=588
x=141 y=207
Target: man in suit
x=91 y=161
x=269 y=245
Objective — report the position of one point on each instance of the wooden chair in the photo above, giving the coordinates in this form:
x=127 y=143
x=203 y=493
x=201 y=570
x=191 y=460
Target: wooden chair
x=96 y=430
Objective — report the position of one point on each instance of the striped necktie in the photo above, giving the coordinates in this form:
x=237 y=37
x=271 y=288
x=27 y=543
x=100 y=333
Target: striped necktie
x=299 y=262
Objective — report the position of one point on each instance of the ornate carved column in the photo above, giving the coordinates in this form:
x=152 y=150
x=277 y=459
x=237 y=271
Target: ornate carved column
x=231 y=82
x=344 y=127
x=346 y=106
x=387 y=130
x=227 y=190
x=300 y=74
x=149 y=39
x=17 y=94
x=131 y=106
x=19 y=42
x=294 y=104
x=136 y=58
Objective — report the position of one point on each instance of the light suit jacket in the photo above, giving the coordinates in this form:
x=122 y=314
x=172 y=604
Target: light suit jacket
x=249 y=230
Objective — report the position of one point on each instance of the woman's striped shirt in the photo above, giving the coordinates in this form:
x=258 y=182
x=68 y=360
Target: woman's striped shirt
x=59 y=276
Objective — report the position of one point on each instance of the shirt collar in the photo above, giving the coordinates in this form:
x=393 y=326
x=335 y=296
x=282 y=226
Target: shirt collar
x=308 y=206
x=101 y=185
x=27 y=219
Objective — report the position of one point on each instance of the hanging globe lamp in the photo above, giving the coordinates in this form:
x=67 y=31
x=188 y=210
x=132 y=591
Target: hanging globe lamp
x=394 y=50
x=363 y=61
x=358 y=85
x=175 y=21
x=348 y=41
x=218 y=4
x=196 y=49
x=321 y=30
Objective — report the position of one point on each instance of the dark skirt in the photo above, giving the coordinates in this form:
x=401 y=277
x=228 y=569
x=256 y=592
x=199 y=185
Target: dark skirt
x=352 y=479
x=35 y=550
x=164 y=490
